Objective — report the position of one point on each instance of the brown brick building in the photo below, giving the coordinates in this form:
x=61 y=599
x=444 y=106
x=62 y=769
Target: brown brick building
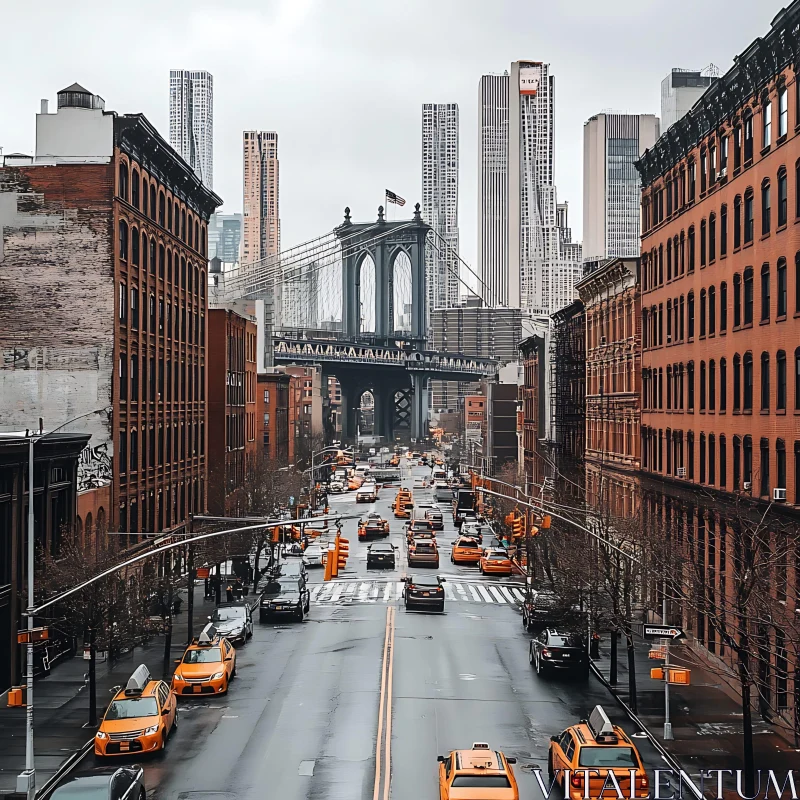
x=535 y=467
x=611 y=298
x=272 y=416
x=720 y=276
x=231 y=408
x=115 y=278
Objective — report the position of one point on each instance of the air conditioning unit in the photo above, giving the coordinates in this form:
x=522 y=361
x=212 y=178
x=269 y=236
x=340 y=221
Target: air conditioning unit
x=681 y=472
x=669 y=338
x=779 y=495
x=602 y=340
x=747 y=486
x=722 y=174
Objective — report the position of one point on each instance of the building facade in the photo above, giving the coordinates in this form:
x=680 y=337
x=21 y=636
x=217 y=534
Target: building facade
x=612 y=143
x=261 y=233
x=231 y=408
x=440 y=165
x=522 y=264
x=535 y=414
x=55 y=482
x=225 y=237
x=680 y=90
x=499 y=440
x=122 y=243
x=191 y=120
x=612 y=300
x=272 y=415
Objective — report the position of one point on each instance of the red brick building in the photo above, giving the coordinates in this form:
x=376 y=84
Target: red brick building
x=272 y=416
x=231 y=338
x=720 y=276
x=611 y=297
x=533 y=354
x=115 y=279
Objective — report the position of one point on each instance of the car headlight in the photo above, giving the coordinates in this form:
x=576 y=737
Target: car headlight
x=101 y=735
x=178 y=676
x=152 y=729
x=217 y=676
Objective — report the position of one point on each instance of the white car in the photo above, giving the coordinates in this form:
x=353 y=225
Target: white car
x=336 y=487
x=312 y=557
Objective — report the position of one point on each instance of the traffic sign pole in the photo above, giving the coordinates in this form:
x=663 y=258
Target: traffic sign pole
x=667 y=723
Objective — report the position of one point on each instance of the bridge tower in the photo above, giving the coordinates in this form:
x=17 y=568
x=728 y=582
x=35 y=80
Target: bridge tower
x=384 y=242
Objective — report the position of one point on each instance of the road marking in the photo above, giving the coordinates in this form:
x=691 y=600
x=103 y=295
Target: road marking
x=507 y=593
x=461 y=591
x=384 y=739
x=519 y=594
x=337 y=592
x=474 y=592
x=363 y=592
x=486 y=596
x=387 y=592
x=496 y=594
x=315 y=592
x=449 y=593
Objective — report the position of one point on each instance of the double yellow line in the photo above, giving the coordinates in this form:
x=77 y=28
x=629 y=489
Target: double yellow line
x=383 y=762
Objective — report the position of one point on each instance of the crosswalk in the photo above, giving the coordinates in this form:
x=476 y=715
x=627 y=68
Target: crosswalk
x=372 y=591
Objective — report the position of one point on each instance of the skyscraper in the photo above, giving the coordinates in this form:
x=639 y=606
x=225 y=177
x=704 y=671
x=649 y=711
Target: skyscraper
x=520 y=249
x=681 y=89
x=440 y=200
x=224 y=237
x=191 y=120
x=493 y=189
x=612 y=143
x=261 y=236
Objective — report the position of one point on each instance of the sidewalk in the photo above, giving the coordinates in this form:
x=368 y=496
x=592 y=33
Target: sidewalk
x=706 y=722
x=61 y=705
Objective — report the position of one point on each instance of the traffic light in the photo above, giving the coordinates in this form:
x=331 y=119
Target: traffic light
x=329 y=559
x=517 y=526
x=545 y=522
x=343 y=550
x=276 y=535
x=509 y=519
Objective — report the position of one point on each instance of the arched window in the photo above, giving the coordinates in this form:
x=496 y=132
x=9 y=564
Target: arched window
x=690 y=315
x=783 y=300
x=764 y=451
x=703 y=243
x=703 y=170
x=712 y=385
x=690 y=268
x=123 y=240
x=169 y=214
x=702 y=386
x=782 y=197
x=189 y=278
x=203 y=240
x=161 y=208
x=737 y=382
x=144 y=250
x=766 y=123
x=169 y=266
x=765 y=293
x=748 y=296
x=669 y=259
x=152 y=255
x=177 y=221
x=135 y=246
x=780 y=463
x=134 y=378
x=133 y=450
x=737 y=300
x=766 y=207
x=712 y=452
x=196 y=235
x=737 y=221
x=712 y=237
x=153 y=211
x=203 y=284
x=723 y=385
x=747 y=369
x=797 y=379
x=723 y=460
x=190 y=231
x=683 y=253
x=702 y=312
x=183 y=225
x=702 y=458
x=748 y=136
x=747 y=459
x=160 y=260
x=123 y=180
x=723 y=231
x=737 y=459
x=690 y=386
x=144 y=195
x=748 y=216
x=135 y=188
x=780 y=380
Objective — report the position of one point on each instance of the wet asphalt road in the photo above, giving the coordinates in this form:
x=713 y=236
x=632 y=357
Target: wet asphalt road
x=301 y=720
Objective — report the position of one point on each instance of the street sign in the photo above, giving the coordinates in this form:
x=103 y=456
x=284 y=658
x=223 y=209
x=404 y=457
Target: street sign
x=657 y=655
x=33 y=635
x=662 y=631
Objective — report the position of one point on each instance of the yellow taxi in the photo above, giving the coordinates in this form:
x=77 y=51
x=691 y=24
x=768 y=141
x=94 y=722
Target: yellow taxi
x=354 y=482
x=402 y=504
x=477 y=774
x=495 y=562
x=207 y=667
x=601 y=747
x=466 y=550
x=139 y=719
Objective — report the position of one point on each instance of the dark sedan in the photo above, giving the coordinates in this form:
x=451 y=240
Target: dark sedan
x=425 y=592
x=103 y=783
x=292 y=598
x=554 y=650
x=380 y=555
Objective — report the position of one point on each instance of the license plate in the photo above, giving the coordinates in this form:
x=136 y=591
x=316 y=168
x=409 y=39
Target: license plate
x=124 y=745
x=426 y=594
x=279 y=608
x=197 y=689
x=566 y=655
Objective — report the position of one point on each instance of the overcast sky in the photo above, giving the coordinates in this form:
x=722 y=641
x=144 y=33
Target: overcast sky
x=343 y=81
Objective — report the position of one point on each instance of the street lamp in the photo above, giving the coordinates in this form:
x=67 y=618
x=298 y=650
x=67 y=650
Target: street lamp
x=26 y=781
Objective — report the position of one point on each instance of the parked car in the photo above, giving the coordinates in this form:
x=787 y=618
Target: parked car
x=103 y=783
x=424 y=591
x=234 y=621
x=544 y=608
x=336 y=487
x=381 y=555
x=554 y=650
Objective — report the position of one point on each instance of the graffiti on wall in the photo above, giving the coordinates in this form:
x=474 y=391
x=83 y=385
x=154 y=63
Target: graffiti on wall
x=94 y=467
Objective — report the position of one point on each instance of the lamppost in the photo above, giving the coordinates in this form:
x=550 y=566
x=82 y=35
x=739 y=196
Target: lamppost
x=26 y=780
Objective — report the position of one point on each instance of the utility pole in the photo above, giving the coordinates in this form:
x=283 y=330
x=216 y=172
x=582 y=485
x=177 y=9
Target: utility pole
x=667 y=723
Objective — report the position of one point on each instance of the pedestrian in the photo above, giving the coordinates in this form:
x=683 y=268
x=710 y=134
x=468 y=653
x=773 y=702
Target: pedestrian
x=238 y=591
x=229 y=593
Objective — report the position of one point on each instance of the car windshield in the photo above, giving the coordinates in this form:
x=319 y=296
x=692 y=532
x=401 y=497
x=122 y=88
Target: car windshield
x=425 y=580
x=132 y=707
x=499 y=556
x=289 y=590
x=426 y=546
x=481 y=781
x=225 y=614
x=381 y=548
x=607 y=757
x=84 y=788
x=570 y=640
x=205 y=655
x=467 y=543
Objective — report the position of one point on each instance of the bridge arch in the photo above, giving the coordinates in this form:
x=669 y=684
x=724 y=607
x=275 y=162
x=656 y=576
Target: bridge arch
x=366 y=282
x=401 y=290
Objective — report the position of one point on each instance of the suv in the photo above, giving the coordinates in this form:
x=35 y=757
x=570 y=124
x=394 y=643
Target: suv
x=555 y=650
x=434 y=516
x=545 y=608
x=290 y=596
x=380 y=555
x=424 y=591
x=423 y=553
x=291 y=568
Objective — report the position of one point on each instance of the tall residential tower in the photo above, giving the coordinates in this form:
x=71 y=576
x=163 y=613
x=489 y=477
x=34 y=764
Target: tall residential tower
x=261 y=236
x=191 y=120
x=612 y=143
x=440 y=200
x=520 y=245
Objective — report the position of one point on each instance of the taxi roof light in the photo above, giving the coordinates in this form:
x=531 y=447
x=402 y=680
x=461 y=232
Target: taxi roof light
x=480 y=745
x=138 y=681
x=207 y=635
x=602 y=727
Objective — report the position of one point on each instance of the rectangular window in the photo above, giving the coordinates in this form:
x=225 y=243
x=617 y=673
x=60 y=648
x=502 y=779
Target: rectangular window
x=766 y=116
x=123 y=303
x=266 y=395
x=748 y=139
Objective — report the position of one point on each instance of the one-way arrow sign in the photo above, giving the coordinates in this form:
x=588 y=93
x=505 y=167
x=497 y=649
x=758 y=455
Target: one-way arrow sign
x=662 y=632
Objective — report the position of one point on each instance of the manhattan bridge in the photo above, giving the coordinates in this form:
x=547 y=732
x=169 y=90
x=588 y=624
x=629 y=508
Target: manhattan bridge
x=354 y=302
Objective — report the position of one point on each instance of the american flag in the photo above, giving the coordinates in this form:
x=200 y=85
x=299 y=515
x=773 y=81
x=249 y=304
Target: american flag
x=391 y=197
